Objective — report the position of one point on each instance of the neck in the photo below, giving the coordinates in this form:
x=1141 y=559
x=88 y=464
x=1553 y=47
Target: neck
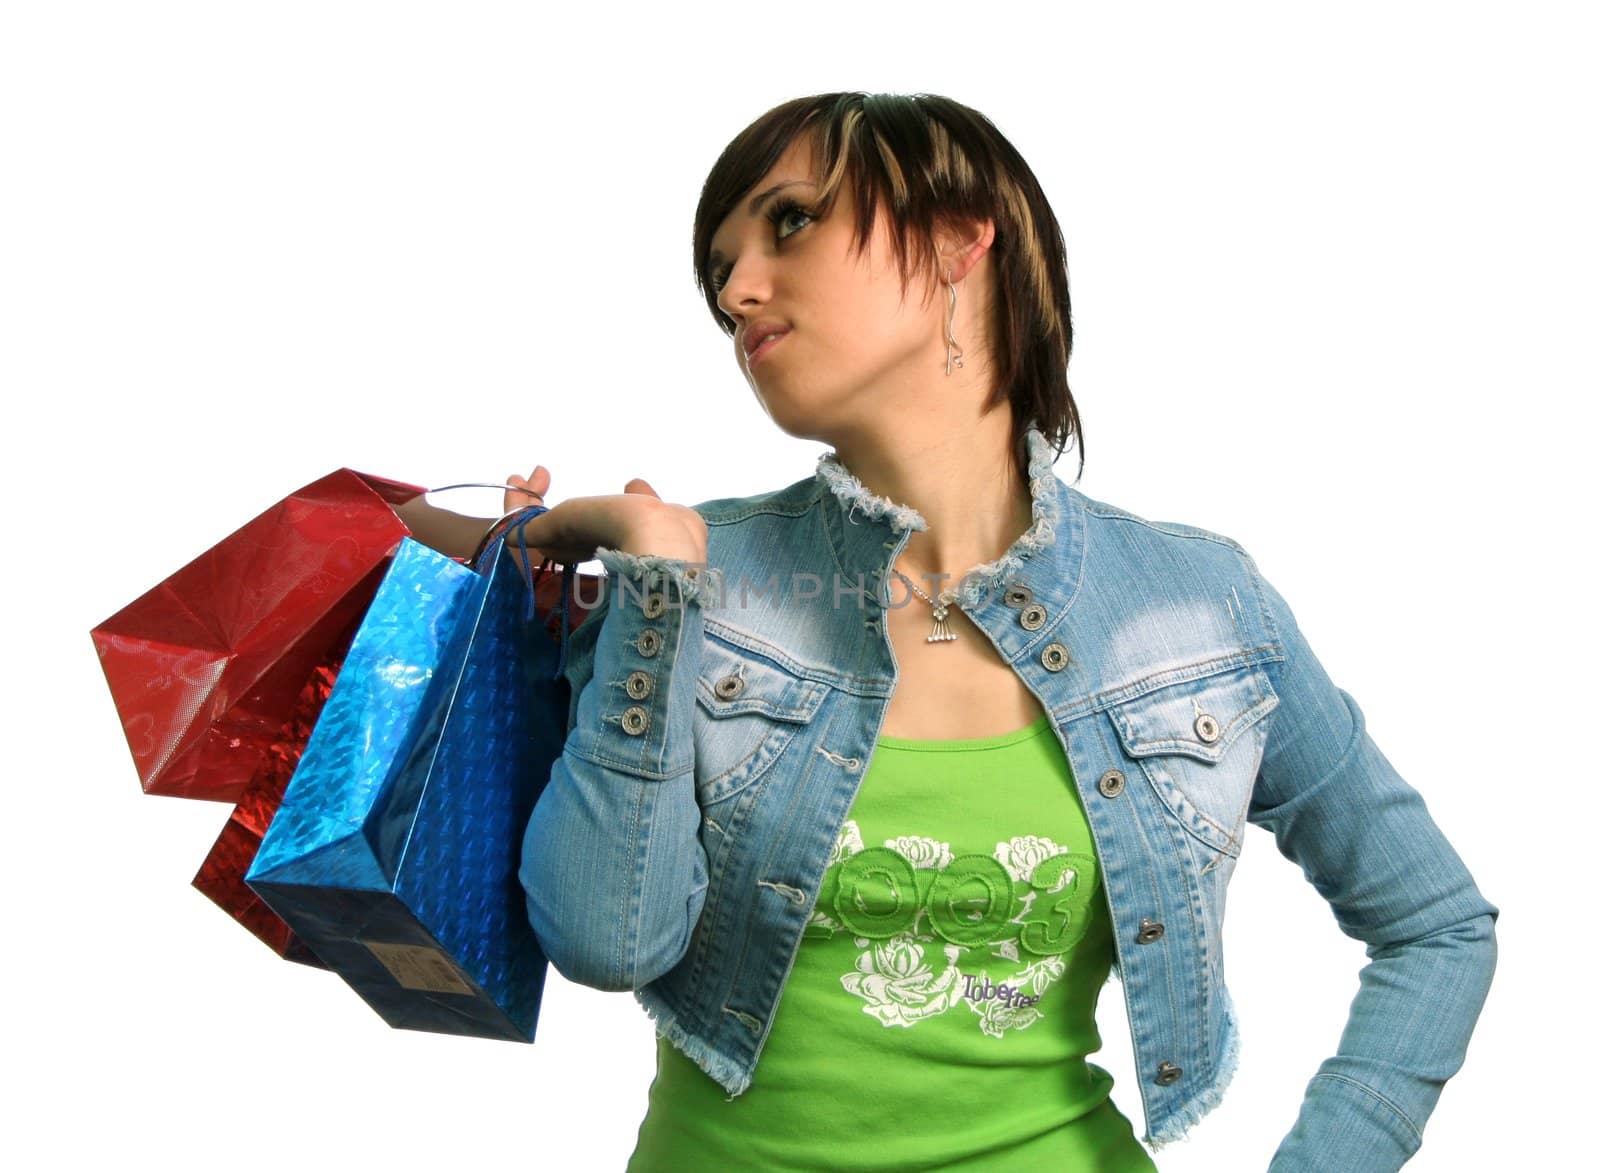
x=959 y=474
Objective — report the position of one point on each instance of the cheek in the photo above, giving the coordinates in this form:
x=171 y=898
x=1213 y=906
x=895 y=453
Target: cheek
x=868 y=321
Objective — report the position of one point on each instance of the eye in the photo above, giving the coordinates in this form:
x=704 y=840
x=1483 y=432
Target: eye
x=776 y=214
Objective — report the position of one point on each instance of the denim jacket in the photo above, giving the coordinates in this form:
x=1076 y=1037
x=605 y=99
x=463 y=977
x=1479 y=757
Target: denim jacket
x=723 y=715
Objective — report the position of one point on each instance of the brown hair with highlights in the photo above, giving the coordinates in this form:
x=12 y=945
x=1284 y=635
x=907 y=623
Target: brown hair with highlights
x=928 y=158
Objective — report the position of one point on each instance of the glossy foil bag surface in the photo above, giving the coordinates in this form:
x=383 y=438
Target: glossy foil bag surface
x=208 y=667
x=221 y=875
x=394 y=853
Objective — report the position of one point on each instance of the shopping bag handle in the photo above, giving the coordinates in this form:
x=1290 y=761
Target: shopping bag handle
x=569 y=573
x=518 y=519
x=516 y=515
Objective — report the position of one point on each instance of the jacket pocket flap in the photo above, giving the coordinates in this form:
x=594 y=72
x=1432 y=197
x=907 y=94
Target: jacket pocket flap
x=734 y=681
x=1198 y=718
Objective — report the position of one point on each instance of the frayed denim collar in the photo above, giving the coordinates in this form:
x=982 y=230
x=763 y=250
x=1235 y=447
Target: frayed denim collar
x=989 y=577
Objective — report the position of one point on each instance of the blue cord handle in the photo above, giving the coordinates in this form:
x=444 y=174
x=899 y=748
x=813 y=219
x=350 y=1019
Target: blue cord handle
x=484 y=555
x=569 y=573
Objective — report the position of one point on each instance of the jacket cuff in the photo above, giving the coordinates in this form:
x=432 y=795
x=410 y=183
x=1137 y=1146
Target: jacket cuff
x=637 y=714
x=647 y=572
x=1344 y=1124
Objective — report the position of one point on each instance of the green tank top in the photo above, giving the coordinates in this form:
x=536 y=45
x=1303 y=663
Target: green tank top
x=941 y=1006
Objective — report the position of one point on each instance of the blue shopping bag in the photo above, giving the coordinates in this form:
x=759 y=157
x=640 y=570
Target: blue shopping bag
x=394 y=855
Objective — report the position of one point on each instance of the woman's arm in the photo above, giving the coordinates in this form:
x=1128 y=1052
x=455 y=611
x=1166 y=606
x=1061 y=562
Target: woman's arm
x=457 y=535
x=454 y=535
x=612 y=864
x=1364 y=839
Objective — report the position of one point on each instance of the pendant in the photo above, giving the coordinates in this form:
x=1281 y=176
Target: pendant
x=941 y=630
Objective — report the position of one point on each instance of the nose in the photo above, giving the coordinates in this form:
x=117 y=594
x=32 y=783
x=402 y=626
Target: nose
x=746 y=289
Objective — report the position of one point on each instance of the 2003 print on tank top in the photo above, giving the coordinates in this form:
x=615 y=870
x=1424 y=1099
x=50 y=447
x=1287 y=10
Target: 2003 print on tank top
x=941 y=931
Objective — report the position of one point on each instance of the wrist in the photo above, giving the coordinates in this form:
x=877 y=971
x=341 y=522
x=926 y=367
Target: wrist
x=671 y=543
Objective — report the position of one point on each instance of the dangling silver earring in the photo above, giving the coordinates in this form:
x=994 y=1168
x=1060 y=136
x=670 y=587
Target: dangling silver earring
x=953 y=352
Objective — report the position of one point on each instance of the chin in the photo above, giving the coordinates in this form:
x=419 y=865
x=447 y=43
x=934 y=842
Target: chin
x=806 y=413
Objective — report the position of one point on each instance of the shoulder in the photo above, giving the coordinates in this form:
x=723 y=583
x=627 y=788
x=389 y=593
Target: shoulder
x=791 y=500
x=1177 y=558
x=744 y=533
x=1127 y=526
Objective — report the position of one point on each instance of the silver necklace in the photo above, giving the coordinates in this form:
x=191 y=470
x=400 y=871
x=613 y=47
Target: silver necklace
x=941 y=609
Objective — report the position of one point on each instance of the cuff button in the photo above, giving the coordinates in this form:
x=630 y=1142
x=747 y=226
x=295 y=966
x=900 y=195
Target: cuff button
x=635 y=720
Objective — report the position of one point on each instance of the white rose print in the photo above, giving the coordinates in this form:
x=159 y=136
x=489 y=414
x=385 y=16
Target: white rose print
x=901 y=981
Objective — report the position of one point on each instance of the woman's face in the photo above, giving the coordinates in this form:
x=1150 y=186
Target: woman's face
x=853 y=351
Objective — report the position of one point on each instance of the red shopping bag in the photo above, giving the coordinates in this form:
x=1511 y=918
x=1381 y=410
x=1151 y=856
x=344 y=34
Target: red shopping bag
x=221 y=876
x=206 y=667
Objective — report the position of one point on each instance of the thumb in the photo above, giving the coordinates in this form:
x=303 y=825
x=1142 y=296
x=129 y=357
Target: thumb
x=640 y=485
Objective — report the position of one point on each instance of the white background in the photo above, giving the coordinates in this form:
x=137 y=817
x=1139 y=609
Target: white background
x=1333 y=269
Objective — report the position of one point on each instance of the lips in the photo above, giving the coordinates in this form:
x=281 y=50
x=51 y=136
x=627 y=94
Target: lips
x=758 y=331
x=766 y=343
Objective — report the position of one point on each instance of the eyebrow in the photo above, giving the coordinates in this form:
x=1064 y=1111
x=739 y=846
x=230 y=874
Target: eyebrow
x=754 y=209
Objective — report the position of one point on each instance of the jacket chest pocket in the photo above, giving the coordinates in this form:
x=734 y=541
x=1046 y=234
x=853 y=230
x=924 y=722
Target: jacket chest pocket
x=749 y=708
x=1200 y=743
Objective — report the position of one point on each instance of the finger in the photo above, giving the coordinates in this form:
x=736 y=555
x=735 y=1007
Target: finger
x=536 y=485
x=640 y=485
x=528 y=491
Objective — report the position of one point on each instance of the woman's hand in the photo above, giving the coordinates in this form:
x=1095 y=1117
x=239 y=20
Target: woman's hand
x=535 y=486
x=636 y=521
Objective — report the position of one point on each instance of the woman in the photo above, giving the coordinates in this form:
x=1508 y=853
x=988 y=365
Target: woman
x=875 y=778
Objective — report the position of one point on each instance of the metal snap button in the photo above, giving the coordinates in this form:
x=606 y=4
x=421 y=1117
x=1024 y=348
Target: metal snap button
x=1150 y=930
x=1016 y=595
x=639 y=685
x=1033 y=616
x=1206 y=726
x=635 y=719
x=654 y=604
x=649 y=641
x=1111 y=783
x=729 y=687
x=691 y=574
x=1167 y=1073
x=1054 y=657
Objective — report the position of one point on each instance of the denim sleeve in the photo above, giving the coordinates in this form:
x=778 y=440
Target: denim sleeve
x=612 y=865
x=1366 y=842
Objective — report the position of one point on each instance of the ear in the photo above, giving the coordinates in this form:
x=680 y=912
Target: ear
x=962 y=242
